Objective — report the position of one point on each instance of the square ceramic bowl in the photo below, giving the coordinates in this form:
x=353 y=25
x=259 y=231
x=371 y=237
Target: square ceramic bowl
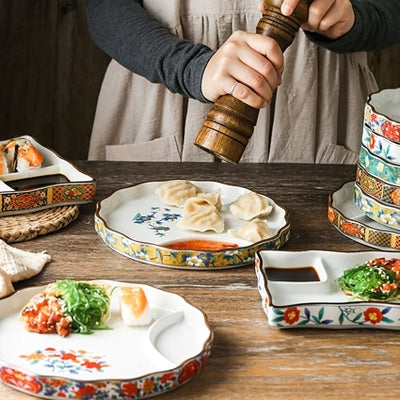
x=56 y=183
x=300 y=289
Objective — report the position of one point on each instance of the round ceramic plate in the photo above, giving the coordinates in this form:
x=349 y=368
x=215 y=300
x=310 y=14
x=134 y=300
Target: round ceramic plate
x=134 y=222
x=120 y=363
x=344 y=214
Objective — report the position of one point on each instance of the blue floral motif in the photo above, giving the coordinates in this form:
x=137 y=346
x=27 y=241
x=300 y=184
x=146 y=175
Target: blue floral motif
x=157 y=219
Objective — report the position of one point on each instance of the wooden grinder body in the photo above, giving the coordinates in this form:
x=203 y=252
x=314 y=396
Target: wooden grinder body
x=230 y=123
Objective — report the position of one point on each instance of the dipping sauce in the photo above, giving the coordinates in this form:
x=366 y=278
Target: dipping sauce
x=201 y=245
x=35 y=182
x=295 y=274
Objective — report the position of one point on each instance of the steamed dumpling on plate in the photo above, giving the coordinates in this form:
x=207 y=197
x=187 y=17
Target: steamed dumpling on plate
x=201 y=216
x=213 y=198
x=176 y=192
x=249 y=206
x=252 y=231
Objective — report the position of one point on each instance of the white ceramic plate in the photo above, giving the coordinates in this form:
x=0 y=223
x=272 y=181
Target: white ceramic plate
x=56 y=183
x=320 y=303
x=134 y=222
x=346 y=216
x=124 y=362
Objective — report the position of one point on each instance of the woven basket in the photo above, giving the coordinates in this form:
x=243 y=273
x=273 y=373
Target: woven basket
x=27 y=226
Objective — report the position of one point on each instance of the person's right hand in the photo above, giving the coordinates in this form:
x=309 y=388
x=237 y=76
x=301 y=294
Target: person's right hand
x=248 y=66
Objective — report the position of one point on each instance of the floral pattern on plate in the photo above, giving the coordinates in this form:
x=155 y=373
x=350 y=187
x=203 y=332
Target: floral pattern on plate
x=320 y=304
x=389 y=173
x=118 y=363
x=134 y=222
x=376 y=188
x=373 y=209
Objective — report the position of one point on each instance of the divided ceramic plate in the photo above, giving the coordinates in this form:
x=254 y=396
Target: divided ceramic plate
x=120 y=363
x=56 y=183
x=347 y=217
x=304 y=291
x=134 y=222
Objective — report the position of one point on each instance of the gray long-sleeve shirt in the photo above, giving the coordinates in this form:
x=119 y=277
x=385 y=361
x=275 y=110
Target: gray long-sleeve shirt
x=131 y=36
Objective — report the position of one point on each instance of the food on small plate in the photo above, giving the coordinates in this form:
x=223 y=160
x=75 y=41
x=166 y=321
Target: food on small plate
x=176 y=192
x=252 y=231
x=201 y=216
x=376 y=279
x=68 y=306
x=19 y=154
x=249 y=206
x=135 y=310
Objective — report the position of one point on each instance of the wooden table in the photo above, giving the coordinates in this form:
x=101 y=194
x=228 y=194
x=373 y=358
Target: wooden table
x=249 y=359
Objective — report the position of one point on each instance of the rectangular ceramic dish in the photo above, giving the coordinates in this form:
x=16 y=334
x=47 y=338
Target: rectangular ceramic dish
x=300 y=289
x=56 y=183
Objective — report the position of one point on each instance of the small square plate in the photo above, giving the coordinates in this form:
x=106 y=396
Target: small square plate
x=301 y=290
x=56 y=183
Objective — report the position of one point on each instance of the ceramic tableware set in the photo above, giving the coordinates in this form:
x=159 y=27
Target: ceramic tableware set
x=377 y=184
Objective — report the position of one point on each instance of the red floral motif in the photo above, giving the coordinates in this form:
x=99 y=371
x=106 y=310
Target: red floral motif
x=92 y=364
x=188 y=371
x=68 y=356
x=16 y=378
x=291 y=315
x=331 y=215
x=391 y=131
x=86 y=391
x=129 y=389
x=373 y=315
x=167 y=377
x=371 y=142
x=26 y=200
x=351 y=229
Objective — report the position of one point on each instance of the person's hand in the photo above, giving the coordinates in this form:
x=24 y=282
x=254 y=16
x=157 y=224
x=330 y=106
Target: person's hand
x=248 y=66
x=331 y=18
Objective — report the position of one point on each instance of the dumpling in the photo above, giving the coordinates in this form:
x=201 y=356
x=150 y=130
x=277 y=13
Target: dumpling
x=199 y=215
x=252 y=231
x=213 y=198
x=249 y=206
x=176 y=192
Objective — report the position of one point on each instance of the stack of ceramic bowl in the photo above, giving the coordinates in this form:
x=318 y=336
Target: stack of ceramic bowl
x=377 y=185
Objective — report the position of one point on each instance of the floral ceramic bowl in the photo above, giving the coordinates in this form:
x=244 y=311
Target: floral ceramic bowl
x=379 y=167
x=381 y=146
x=347 y=218
x=388 y=194
x=376 y=210
x=382 y=113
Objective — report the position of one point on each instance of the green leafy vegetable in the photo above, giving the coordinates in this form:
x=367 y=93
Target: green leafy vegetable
x=369 y=282
x=86 y=303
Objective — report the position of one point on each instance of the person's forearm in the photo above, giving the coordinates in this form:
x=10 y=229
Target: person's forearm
x=131 y=36
x=376 y=27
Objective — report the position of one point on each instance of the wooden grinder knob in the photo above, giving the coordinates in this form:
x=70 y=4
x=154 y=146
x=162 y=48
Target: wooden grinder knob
x=230 y=123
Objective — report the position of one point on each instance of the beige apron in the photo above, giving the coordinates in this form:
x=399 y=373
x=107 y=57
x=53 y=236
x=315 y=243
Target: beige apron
x=318 y=110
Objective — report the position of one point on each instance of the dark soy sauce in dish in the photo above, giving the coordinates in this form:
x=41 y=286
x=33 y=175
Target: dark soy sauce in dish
x=295 y=274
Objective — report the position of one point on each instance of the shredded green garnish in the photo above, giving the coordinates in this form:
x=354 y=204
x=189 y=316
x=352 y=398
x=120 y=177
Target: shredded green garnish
x=366 y=281
x=86 y=303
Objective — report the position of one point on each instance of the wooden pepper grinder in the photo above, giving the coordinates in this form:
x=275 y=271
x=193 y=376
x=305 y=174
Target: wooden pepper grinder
x=230 y=123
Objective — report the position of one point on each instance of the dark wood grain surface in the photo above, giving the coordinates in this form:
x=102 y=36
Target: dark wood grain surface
x=249 y=358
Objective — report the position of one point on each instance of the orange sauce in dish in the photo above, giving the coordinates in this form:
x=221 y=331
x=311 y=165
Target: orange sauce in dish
x=201 y=245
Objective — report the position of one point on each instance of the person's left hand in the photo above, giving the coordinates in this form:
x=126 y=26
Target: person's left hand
x=331 y=18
